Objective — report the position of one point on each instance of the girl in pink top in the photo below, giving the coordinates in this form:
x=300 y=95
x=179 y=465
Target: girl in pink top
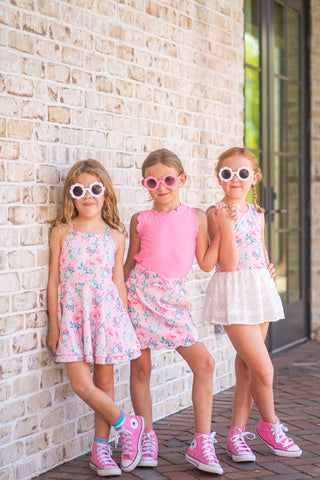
x=163 y=242
x=244 y=301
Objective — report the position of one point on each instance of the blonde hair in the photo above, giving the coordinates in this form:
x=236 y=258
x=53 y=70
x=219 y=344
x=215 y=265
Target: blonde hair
x=109 y=212
x=164 y=156
x=245 y=152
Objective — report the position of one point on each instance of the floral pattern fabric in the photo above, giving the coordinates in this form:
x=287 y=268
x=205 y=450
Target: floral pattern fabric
x=248 y=295
x=248 y=234
x=159 y=310
x=94 y=323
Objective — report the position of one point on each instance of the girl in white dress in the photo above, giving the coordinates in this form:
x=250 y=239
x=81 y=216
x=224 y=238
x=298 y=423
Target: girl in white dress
x=244 y=300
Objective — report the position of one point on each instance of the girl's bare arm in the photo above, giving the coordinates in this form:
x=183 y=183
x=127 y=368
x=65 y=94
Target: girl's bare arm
x=134 y=246
x=57 y=238
x=270 y=266
x=118 y=273
x=206 y=255
x=228 y=253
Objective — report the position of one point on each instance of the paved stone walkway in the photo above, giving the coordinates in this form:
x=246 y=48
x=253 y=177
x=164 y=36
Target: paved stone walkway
x=297 y=398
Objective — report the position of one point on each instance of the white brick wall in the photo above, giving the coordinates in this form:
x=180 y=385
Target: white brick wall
x=315 y=167
x=111 y=81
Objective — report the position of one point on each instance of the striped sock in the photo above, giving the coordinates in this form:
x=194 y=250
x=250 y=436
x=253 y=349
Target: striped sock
x=119 y=422
x=101 y=439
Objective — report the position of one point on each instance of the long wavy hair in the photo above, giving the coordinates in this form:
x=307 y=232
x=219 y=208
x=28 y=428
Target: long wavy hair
x=245 y=152
x=68 y=211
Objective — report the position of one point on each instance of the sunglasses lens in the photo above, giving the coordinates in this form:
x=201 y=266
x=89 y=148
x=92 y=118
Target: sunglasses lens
x=244 y=173
x=225 y=174
x=77 y=191
x=151 y=183
x=170 y=181
x=97 y=189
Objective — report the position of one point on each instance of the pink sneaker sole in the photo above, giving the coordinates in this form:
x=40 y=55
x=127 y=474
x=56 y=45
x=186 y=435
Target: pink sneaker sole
x=203 y=466
x=281 y=453
x=148 y=462
x=242 y=457
x=107 y=472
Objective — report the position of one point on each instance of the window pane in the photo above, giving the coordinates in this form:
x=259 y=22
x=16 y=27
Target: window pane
x=294 y=200
x=251 y=38
x=294 y=254
x=280 y=192
x=252 y=108
x=293 y=118
x=279 y=39
x=293 y=45
x=280 y=115
x=281 y=265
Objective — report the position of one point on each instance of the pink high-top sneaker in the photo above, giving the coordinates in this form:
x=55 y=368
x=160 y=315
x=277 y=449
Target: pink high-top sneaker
x=274 y=437
x=131 y=433
x=201 y=453
x=101 y=460
x=237 y=447
x=149 y=457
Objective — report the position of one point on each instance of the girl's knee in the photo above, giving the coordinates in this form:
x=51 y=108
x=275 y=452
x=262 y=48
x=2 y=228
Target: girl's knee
x=105 y=385
x=210 y=364
x=207 y=365
x=242 y=370
x=103 y=378
x=141 y=370
x=82 y=389
x=264 y=374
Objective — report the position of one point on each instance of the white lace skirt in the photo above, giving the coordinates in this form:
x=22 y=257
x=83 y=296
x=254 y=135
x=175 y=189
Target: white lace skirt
x=246 y=297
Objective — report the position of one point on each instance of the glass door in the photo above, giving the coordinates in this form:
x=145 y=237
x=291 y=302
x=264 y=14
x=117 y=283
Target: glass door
x=286 y=210
x=280 y=73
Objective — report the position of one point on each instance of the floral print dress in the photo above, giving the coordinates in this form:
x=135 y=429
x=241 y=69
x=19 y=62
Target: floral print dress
x=248 y=295
x=94 y=323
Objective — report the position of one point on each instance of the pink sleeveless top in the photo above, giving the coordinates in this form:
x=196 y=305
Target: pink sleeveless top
x=167 y=241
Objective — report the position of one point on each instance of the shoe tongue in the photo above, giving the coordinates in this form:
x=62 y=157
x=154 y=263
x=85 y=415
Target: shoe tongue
x=237 y=430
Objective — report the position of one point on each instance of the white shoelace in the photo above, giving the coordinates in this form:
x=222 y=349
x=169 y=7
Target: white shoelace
x=148 y=444
x=126 y=441
x=104 y=452
x=280 y=436
x=207 y=447
x=239 y=440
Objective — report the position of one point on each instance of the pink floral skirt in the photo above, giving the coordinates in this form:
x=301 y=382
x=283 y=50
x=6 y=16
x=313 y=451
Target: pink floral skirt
x=159 y=310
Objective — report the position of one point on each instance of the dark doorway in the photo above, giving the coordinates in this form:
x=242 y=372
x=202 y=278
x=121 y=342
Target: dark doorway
x=276 y=89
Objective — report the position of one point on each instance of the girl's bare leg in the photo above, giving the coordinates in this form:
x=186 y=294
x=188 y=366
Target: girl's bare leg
x=103 y=379
x=202 y=366
x=140 y=386
x=82 y=384
x=248 y=341
x=242 y=401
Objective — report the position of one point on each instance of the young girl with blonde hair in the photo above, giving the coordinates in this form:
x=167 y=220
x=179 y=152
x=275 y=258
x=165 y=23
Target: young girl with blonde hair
x=87 y=300
x=242 y=297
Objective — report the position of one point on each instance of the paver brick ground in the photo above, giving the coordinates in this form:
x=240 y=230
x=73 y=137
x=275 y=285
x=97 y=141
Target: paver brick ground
x=297 y=399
